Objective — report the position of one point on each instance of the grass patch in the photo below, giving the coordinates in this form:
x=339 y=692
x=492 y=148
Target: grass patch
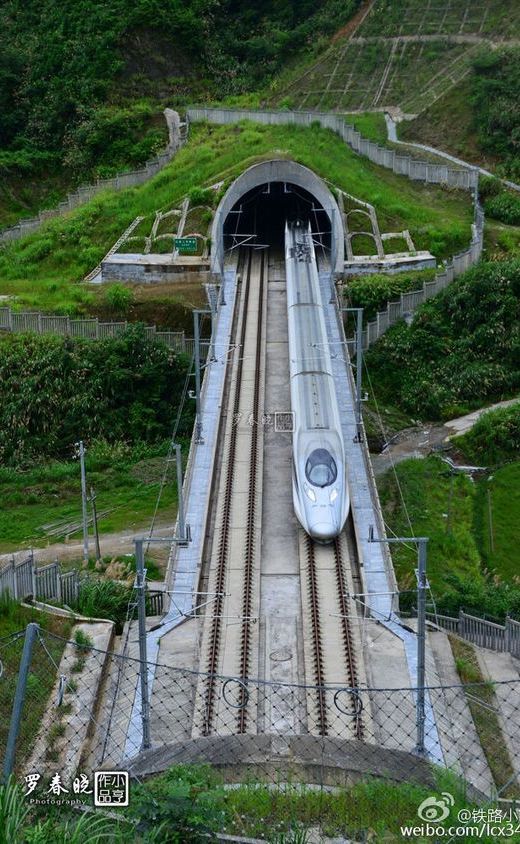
x=372 y=125
x=42 y=270
x=13 y=618
x=372 y=292
x=440 y=506
x=126 y=481
x=497 y=521
x=482 y=704
x=374 y=807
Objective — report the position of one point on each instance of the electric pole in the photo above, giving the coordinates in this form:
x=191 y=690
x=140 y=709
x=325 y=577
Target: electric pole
x=81 y=454
x=96 y=530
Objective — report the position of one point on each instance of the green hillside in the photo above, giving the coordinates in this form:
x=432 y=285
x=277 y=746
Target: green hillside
x=83 y=82
x=42 y=270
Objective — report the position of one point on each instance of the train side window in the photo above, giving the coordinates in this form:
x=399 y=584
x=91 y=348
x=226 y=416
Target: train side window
x=320 y=468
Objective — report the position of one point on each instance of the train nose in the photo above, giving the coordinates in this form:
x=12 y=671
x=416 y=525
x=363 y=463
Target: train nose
x=323 y=532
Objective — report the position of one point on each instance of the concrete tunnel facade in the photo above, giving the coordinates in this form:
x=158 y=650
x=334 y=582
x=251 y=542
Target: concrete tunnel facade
x=278 y=171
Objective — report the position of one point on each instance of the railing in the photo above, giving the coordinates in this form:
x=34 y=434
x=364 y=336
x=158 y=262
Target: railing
x=86 y=193
x=405 y=165
x=24 y=579
x=407 y=304
x=88 y=329
x=486 y=634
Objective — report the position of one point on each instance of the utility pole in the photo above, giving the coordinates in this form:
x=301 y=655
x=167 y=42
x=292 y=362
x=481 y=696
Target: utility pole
x=140 y=585
x=31 y=632
x=81 y=454
x=198 y=418
x=96 y=530
x=199 y=439
x=180 y=496
x=332 y=259
x=422 y=585
x=359 y=366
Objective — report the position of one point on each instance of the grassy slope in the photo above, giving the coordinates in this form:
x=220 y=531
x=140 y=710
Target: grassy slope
x=440 y=507
x=448 y=125
x=42 y=673
x=127 y=484
x=41 y=269
x=497 y=520
x=454 y=513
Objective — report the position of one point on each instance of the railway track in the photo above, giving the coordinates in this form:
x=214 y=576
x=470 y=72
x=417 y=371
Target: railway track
x=329 y=633
x=229 y=640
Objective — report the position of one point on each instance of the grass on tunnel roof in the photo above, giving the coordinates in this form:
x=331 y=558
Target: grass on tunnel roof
x=43 y=269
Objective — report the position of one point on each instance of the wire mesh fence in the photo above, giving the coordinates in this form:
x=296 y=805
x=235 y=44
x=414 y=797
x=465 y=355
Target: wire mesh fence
x=81 y=712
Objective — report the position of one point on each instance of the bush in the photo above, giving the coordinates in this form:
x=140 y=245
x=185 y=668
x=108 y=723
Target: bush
x=119 y=298
x=495 y=437
x=482 y=596
x=504 y=207
x=103 y=599
x=462 y=349
x=372 y=292
x=55 y=391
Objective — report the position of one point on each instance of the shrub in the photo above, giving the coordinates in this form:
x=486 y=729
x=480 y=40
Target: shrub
x=504 y=207
x=104 y=599
x=119 y=298
x=495 y=437
x=461 y=350
x=372 y=292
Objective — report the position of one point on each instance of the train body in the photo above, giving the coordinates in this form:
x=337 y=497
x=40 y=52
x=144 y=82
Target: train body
x=320 y=487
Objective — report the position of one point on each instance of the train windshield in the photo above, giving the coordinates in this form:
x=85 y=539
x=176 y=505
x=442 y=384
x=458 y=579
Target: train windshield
x=320 y=468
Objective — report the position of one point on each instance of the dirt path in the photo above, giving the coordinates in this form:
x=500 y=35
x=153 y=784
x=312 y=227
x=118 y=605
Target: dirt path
x=422 y=440
x=113 y=544
x=354 y=23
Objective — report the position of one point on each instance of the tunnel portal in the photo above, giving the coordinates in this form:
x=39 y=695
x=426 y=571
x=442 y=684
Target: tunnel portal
x=256 y=205
x=258 y=218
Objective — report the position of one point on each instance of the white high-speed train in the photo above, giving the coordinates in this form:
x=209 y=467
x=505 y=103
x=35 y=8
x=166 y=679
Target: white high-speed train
x=320 y=488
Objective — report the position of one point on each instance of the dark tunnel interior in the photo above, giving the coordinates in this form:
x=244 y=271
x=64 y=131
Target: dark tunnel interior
x=261 y=214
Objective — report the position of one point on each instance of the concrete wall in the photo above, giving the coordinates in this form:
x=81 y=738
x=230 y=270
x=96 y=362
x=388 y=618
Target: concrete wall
x=405 y=165
x=277 y=170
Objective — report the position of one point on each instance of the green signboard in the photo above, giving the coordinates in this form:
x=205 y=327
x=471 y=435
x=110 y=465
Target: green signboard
x=185 y=245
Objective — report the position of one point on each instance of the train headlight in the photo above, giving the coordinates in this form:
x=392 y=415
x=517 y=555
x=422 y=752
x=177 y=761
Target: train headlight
x=310 y=493
x=333 y=496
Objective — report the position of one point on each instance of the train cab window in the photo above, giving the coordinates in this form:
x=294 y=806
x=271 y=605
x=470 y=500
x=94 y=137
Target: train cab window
x=320 y=468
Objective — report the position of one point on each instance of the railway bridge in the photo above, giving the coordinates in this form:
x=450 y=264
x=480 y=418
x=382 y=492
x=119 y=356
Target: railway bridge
x=279 y=631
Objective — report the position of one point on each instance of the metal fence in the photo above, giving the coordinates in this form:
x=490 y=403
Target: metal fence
x=24 y=578
x=408 y=303
x=405 y=165
x=86 y=193
x=88 y=329
x=486 y=634
x=473 y=730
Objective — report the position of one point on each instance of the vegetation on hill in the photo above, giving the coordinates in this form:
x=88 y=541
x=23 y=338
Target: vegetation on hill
x=494 y=438
x=39 y=269
x=59 y=62
x=467 y=569
x=372 y=292
x=461 y=350
x=496 y=83
x=55 y=391
x=478 y=118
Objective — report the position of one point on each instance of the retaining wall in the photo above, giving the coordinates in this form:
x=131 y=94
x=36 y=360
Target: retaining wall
x=422 y=171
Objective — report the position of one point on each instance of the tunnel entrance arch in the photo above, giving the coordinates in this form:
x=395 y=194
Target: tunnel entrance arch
x=267 y=192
